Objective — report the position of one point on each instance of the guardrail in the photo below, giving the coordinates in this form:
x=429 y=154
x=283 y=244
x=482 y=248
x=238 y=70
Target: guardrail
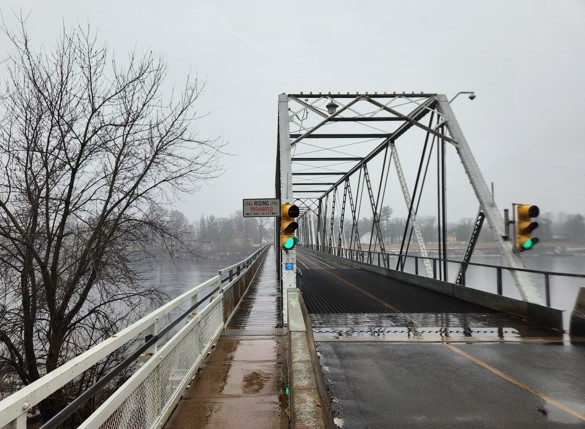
x=388 y=260
x=148 y=397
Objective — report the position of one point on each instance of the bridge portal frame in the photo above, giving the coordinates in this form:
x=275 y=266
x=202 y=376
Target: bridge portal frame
x=320 y=199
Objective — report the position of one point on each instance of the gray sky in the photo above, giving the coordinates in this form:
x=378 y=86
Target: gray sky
x=524 y=59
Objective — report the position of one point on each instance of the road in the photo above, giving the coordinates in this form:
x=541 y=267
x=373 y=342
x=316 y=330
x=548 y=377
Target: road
x=396 y=355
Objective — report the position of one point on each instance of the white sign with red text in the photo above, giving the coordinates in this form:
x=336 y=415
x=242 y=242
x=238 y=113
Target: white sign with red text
x=261 y=207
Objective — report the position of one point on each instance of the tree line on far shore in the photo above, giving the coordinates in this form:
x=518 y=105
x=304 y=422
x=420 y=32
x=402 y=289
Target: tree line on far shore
x=559 y=227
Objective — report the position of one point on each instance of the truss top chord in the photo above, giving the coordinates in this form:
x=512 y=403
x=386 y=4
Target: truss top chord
x=366 y=94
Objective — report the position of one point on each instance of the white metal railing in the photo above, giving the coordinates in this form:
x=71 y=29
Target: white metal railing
x=148 y=397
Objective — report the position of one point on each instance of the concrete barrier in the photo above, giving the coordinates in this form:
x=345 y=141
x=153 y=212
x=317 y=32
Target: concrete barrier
x=577 y=324
x=309 y=407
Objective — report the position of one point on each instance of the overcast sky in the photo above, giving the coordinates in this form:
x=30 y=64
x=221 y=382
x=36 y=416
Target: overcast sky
x=524 y=59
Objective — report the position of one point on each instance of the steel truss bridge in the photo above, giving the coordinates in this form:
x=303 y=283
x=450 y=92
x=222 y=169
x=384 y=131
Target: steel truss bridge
x=345 y=157
x=366 y=322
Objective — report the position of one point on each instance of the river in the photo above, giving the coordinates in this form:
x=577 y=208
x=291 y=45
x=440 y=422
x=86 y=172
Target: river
x=563 y=290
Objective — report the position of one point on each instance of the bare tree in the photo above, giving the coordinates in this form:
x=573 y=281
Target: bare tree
x=89 y=148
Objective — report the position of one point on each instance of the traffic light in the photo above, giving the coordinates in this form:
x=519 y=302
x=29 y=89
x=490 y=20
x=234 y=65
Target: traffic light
x=525 y=225
x=288 y=226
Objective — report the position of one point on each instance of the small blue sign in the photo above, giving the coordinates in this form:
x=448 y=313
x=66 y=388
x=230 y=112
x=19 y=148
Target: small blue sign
x=289 y=266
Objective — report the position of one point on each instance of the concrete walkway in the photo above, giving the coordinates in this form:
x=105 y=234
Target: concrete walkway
x=242 y=384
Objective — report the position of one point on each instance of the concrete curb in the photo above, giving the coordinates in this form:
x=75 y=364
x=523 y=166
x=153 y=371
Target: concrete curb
x=307 y=408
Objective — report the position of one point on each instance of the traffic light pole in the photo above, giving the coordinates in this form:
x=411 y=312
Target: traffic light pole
x=523 y=280
x=288 y=259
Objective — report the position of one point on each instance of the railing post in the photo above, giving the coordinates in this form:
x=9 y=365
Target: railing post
x=20 y=421
x=194 y=300
x=499 y=280
x=379 y=259
x=149 y=332
x=435 y=269
x=547 y=289
x=416 y=265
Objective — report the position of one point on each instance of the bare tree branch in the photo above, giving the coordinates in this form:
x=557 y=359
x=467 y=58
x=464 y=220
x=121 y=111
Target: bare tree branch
x=89 y=149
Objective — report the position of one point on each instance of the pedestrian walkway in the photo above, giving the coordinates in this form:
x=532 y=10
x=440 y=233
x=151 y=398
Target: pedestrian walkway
x=243 y=382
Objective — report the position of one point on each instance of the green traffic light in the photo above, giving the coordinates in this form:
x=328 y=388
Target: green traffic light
x=530 y=243
x=290 y=243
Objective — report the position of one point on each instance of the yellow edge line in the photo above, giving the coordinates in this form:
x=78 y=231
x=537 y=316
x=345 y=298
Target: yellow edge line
x=390 y=306
x=517 y=383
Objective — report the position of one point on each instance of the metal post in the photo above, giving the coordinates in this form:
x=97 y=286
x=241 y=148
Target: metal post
x=288 y=258
x=547 y=289
x=499 y=281
x=149 y=332
x=194 y=300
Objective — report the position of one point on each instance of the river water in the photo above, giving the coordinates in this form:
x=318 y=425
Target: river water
x=178 y=276
x=563 y=290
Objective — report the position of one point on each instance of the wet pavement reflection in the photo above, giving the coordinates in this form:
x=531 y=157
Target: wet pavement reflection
x=429 y=327
x=243 y=381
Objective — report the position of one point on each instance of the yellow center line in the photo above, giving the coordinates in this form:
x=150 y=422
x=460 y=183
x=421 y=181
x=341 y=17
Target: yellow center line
x=390 y=306
x=303 y=264
x=517 y=383
x=319 y=261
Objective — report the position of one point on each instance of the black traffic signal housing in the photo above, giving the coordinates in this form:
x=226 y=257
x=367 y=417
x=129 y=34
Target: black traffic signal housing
x=288 y=226
x=525 y=225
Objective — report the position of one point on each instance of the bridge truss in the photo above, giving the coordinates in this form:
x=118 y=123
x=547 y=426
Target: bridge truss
x=338 y=160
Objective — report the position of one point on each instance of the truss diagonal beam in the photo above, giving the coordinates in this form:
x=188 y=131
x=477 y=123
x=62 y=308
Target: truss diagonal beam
x=323 y=122
x=376 y=217
x=414 y=116
x=408 y=200
x=523 y=280
x=410 y=120
x=308 y=106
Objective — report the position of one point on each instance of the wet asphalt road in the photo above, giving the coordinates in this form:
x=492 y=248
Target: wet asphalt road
x=421 y=363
